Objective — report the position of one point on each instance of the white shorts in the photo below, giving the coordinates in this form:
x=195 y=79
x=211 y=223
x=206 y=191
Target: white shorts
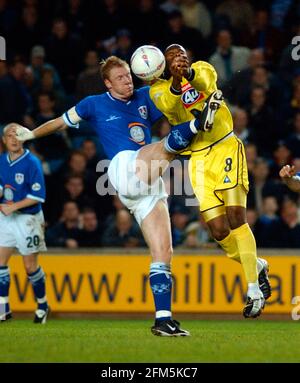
x=139 y=197
x=23 y=231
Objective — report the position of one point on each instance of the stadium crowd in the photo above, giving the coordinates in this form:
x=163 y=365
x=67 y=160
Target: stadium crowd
x=53 y=53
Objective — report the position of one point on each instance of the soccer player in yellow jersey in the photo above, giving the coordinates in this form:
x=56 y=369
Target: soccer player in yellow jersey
x=217 y=167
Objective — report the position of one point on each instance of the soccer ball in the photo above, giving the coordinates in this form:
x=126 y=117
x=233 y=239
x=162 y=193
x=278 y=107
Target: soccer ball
x=147 y=62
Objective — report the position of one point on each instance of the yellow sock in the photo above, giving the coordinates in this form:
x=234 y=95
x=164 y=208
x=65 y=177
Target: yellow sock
x=246 y=245
x=230 y=247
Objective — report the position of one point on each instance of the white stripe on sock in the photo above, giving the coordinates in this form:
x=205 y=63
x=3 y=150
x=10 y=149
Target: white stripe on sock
x=163 y=313
x=41 y=300
x=192 y=127
x=3 y=300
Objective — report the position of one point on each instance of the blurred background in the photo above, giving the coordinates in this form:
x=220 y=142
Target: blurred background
x=53 y=54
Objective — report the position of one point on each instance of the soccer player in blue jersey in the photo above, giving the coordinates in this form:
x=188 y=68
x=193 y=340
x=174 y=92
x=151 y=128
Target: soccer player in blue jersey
x=22 y=191
x=123 y=117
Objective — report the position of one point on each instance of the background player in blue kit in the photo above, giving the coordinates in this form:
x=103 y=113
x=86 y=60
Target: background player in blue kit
x=123 y=119
x=22 y=190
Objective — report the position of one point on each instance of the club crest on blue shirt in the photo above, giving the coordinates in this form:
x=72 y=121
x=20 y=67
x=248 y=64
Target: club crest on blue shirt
x=19 y=178
x=8 y=194
x=143 y=112
x=36 y=187
x=137 y=133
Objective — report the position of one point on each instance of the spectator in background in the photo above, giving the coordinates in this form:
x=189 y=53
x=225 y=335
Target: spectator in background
x=228 y=58
x=116 y=206
x=237 y=14
x=110 y=16
x=284 y=233
x=264 y=36
x=179 y=220
x=47 y=85
x=124 y=47
x=240 y=125
x=89 y=149
x=66 y=232
x=288 y=67
x=90 y=234
x=269 y=210
x=251 y=215
x=176 y=31
x=237 y=89
x=29 y=32
x=293 y=139
x=196 y=15
x=89 y=81
x=294 y=103
x=197 y=235
x=146 y=15
x=15 y=100
x=65 y=52
x=77 y=166
x=251 y=156
x=3 y=69
x=51 y=150
x=123 y=232
x=38 y=65
x=263 y=128
x=261 y=186
x=76 y=17
x=281 y=157
x=74 y=190
x=8 y=18
x=169 y=6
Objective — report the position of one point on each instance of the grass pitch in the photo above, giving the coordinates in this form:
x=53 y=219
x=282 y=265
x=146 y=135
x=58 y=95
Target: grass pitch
x=131 y=341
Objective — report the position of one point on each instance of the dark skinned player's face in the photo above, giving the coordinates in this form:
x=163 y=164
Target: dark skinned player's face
x=172 y=53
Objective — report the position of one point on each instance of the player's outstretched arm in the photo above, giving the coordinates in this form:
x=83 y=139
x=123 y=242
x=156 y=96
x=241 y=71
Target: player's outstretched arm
x=24 y=134
x=289 y=177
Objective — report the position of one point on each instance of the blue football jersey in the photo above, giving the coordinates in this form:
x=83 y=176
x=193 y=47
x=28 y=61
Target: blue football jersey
x=22 y=178
x=120 y=125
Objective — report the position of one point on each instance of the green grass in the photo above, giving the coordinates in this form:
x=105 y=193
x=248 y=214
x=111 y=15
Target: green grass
x=131 y=341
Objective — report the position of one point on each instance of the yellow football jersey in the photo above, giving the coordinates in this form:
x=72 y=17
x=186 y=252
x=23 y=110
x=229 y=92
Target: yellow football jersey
x=194 y=93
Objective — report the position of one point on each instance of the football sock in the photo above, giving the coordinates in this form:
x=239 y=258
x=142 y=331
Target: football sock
x=180 y=136
x=247 y=251
x=4 y=289
x=161 y=286
x=39 y=287
x=254 y=290
x=230 y=247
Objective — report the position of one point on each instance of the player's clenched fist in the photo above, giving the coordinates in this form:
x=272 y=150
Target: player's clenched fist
x=24 y=134
x=287 y=171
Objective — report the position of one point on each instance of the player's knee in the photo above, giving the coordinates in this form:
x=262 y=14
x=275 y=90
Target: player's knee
x=220 y=233
x=30 y=268
x=236 y=216
x=162 y=254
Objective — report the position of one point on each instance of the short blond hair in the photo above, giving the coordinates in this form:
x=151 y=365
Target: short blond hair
x=9 y=126
x=110 y=63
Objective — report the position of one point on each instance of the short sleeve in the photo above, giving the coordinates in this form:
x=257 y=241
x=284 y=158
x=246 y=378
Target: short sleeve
x=84 y=107
x=37 y=190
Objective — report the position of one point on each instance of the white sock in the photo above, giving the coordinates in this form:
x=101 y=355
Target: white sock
x=261 y=263
x=254 y=290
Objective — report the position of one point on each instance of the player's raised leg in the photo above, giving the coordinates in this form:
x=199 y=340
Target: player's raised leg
x=5 y=312
x=37 y=278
